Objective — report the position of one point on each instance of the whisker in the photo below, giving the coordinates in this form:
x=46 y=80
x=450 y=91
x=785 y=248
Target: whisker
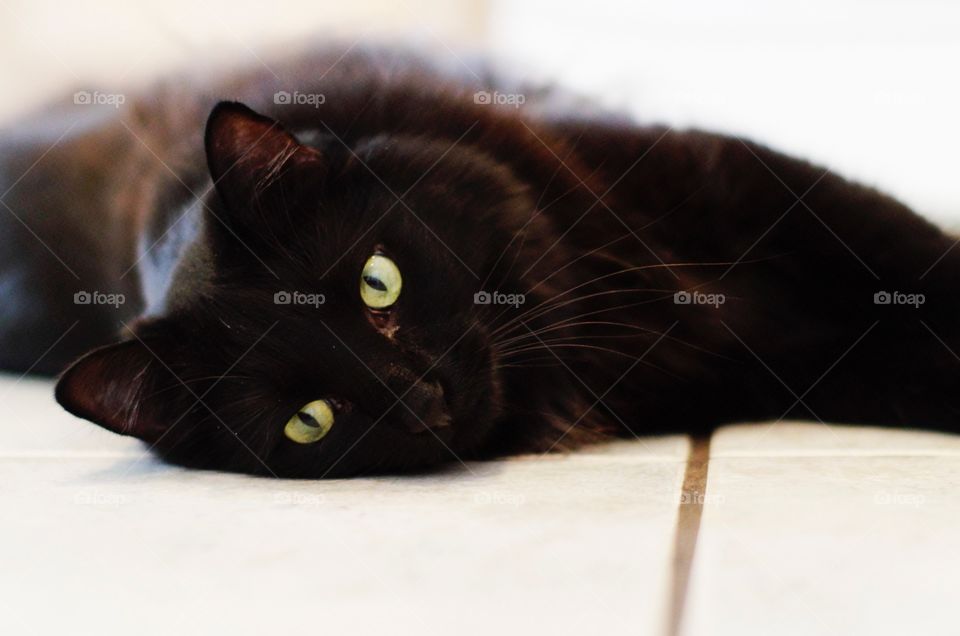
x=548 y=347
x=568 y=323
x=596 y=279
x=619 y=272
x=559 y=305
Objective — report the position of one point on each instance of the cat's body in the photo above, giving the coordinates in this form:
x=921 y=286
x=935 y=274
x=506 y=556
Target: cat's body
x=597 y=222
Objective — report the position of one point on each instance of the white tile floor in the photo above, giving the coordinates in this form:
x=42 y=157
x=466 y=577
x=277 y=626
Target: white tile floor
x=828 y=530
x=96 y=538
x=805 y=530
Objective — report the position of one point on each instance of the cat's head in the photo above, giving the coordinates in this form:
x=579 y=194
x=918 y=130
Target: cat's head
x=335 y=328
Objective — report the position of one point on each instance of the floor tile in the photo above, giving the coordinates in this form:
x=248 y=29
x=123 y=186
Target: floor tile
x=815 y=438
x=98 y=537
x=827 y=545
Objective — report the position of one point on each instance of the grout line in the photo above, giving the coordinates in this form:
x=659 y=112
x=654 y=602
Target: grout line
x=688 y=529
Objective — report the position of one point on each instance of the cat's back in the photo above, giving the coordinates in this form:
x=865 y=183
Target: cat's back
x=87 y=183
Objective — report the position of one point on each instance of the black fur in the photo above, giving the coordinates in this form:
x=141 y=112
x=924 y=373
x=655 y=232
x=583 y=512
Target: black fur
x=596 y=222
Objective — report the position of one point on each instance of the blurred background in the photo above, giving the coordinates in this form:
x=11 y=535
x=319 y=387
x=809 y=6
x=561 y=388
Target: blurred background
x=867 y=88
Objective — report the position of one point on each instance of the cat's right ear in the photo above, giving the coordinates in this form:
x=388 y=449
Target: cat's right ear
x=251 y=159
x=109 y=386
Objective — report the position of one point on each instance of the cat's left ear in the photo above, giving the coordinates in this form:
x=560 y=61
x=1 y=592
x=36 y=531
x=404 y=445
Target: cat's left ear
x=113 y=386
x=249 y=156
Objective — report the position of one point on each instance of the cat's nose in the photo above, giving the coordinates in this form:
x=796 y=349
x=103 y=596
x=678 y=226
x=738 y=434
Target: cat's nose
x=424 y=407
x=428 y=407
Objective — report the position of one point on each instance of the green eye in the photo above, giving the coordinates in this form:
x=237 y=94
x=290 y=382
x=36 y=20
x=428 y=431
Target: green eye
x=310 y=423
x=380 y=282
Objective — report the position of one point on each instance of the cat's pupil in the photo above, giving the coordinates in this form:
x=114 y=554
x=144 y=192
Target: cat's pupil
x=376 y=283
x=308 y=420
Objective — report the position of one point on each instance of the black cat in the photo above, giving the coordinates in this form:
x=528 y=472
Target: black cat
x=392 y=267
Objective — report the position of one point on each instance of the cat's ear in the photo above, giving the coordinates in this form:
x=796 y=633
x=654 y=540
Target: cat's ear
x=108 y=386
x=248 y=156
